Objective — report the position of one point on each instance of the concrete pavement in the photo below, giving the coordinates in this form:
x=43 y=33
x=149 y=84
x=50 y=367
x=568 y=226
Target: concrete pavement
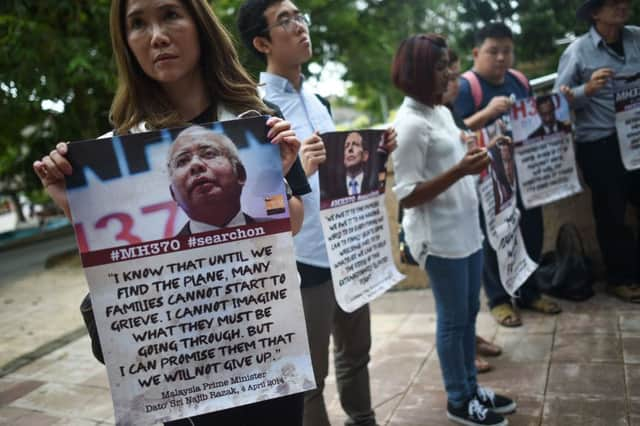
x=20 y=259
x=579 y=368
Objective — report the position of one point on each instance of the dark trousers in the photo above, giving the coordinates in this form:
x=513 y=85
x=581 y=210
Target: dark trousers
x=351 y=334
x=285 y=411
x=612 y=187
x=532 y=229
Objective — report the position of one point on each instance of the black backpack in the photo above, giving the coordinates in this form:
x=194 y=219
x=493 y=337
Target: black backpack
x=567 y=272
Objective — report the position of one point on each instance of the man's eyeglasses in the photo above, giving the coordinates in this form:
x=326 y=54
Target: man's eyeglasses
x=288 y=23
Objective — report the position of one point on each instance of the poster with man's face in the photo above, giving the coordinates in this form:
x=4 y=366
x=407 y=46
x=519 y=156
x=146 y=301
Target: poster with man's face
x=355 y=166
x=536 y=117
x=543 y=149
x=185 y=240
x=498 y=191
x=354 y=218
x=150 y=186
x=501 y=170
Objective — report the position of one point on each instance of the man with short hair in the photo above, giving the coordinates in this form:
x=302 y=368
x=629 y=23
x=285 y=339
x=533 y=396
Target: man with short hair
x=278 y=33
x=498 y=84
x=487 y=93
x=547 y=111
x=205 y=171
x=585 y=74
x=355 y=159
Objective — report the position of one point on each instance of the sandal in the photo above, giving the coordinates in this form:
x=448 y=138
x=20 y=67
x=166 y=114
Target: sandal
x=482 y=366
x=628 y=293
x=486 y=348
x=545 y=306
x=505 y=315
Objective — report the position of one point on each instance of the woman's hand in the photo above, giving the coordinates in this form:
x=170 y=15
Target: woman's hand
x=474 y=161
x=280 y=133
x=312 y=153
x=51 y=170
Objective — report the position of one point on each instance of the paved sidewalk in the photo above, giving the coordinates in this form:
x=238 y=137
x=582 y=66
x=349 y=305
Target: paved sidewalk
x=579 y=368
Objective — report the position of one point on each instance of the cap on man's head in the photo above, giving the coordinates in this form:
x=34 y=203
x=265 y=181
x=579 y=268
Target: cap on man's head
x=588 y=7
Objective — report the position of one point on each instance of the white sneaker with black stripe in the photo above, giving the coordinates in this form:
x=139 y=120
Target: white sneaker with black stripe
x=497 y=403
x=474 y=413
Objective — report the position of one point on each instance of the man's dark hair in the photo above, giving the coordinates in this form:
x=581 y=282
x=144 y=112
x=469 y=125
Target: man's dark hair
x=492 y=30
x=588 y=8
x=252 y=23
x=544 y=100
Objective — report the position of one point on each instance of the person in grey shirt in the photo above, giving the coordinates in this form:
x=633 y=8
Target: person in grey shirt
x=585 y=75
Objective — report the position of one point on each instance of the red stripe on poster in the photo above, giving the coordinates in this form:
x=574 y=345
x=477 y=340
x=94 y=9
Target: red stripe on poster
x=184 y=242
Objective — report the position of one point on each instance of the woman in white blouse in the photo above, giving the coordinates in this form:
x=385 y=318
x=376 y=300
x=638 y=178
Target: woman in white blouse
x=434 y=183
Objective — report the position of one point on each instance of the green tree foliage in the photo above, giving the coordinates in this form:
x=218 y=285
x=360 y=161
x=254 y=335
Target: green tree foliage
x=56 y=51
x=60 y=51
x=361 y=34
x=539 y=27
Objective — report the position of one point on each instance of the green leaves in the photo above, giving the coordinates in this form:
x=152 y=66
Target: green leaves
x=60 y=50
x=51 y=51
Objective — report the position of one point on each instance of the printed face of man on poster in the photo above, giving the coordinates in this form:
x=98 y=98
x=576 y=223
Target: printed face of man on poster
x=550 y=124
x=503 y=174
x=207 y=178
x=355 y=159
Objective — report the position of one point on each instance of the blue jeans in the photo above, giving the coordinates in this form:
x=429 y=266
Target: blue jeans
x=456 y=288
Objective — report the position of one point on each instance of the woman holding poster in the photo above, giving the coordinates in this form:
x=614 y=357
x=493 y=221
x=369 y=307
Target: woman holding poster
x=177 y=65
x=434 y=182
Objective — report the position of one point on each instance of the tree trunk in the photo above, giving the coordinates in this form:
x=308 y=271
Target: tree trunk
x=16 y=203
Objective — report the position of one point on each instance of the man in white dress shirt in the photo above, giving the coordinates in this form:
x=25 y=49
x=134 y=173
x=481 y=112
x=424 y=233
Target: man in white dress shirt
x=277 y=32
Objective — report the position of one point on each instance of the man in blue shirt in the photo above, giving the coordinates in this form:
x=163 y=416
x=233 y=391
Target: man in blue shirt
x=585 y=74
x=277 y=32
x=486 y=94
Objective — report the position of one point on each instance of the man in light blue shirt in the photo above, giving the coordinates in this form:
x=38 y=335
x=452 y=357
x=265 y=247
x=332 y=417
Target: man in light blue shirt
x=585 y=74
x=277 y=32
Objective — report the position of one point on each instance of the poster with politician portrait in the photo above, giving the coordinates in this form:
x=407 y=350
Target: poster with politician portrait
x=543 y=149
x=538 y=116
x=501 y=173
x=354 y=218
x=355 y=166
x=497 y=189
x=184 y=236
x=627 y=104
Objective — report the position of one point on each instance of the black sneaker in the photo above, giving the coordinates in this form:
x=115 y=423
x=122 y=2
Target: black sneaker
x=494 y=402
x=474 y=413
